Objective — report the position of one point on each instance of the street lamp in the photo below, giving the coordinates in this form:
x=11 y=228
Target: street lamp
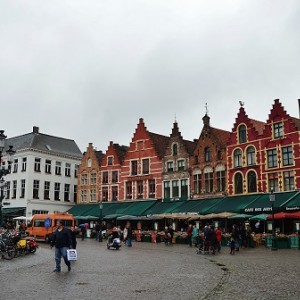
x=274 y=239
x=3 y=171
x=100 y=218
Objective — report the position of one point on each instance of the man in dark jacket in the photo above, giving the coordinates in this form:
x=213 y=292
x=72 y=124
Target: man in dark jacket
x=62 y=242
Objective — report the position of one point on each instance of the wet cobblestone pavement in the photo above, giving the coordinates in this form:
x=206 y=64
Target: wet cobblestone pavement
x=153 y=271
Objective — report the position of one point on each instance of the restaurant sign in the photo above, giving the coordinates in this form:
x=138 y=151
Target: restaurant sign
x=257 y=209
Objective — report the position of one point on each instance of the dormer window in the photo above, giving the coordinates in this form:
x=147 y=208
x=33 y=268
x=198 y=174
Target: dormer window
x=278 y=130
x=242 y=134
x=110 y=161
x=89 y=163
x=175 y=149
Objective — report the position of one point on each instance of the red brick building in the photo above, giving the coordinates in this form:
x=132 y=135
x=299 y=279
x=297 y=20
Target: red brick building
x=176 y=162
x=141 y=171
x=208 y=167
x=110 y=178
x=264 y=156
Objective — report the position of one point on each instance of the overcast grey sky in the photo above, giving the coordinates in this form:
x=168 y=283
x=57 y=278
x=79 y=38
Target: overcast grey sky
x=88 y=70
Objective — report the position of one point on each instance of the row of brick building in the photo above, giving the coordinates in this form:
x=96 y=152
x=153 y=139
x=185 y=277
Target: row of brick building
x=254 y=157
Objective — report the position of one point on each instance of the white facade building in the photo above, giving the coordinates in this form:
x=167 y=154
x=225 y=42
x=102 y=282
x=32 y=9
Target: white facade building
x=43 y=177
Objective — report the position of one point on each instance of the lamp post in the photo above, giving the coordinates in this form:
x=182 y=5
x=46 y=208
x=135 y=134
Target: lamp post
x=100 y=219
x=3 y=171
x=274 y=239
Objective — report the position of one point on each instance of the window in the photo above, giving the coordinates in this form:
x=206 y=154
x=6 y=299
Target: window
x=181 y=165
x=36 y=187
x=272 y=158
x=273 y=182
x=209 y=188
x=170 y=166
x=238 y=183
x=288 y=178
x=278 y=130
x=134 y=165
x=167 y=191
x=175 y=189
x=151 y=188
x=184 y=188
x=7 y=190
x=68 y=170
x=237 y=158
x=37 y=165
x=114 y=193
x=15 y=166
x=24 y=164
x=251 y=157
x=75 y=193
x=56 y=191
x=115 y=176
x=251 y=180
x=47 y=190
x=93 y=195
x=105 y=177
x=146 y=166
x=42 y=212
x=84 y=179
x=287 y=156
x=48 y=166
x=83 y=195
x=58 y=168
x=128 y=190
x=140 y=189
x=197 y=183
x=207 y=154
x=89 y=163
x=22 y=188
x=67 y=193
x=14 y=190
x=110 y=160
x=242 y=134
x=76 y=171
x=93 y=178
x=105 y=193
x=220 y=181
x=175 y=149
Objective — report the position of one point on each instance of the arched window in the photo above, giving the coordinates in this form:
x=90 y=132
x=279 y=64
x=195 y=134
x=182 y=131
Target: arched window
x=242 y=134
x=175 y=149
x=89 y=162
x=238 y=183
x=207 y=154
x=251 y=178
x=251 y=159
x=237 y=158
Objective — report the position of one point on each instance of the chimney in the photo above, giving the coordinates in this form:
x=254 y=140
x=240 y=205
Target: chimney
x=35 y=129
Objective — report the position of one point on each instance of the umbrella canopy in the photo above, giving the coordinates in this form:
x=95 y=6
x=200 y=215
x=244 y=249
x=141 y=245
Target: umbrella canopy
x=86 y=218
x=285 y=215
x=224 y=215
x=240 y=216
x=209 y=216
x=261 y=217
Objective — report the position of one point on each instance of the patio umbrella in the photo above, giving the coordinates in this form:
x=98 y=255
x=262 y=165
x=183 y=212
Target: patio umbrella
x=285 y=215
x=261 y=217
x=240 y=216
x=209 y=216
x=224 y=215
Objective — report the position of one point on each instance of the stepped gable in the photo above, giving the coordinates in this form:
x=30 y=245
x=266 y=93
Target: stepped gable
x=46 y=143
x=220 y=136
x=121 y=151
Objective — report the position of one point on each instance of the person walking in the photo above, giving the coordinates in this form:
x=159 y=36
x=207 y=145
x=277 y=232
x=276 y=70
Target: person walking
x=62 y=242
x=73 y=237
x=218 y=239
x=98 y=231
x=189 y=232
x=83 y=231
x=129 y=235
x=195 y=235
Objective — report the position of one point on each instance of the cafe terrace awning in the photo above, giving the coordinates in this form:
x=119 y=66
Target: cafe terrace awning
x=285 y=215
x=260 y=217
x=13 y=211
x=139 y=208
x=263 y=204
x=163 y=207
x=240 y=217
x=293 y=204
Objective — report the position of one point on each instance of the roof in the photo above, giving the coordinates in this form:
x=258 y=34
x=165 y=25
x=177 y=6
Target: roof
x=160 y=143
x=99 y=154
x=120 y=152
x=44 y=142
x=258 y=125
x=296 y=122
x=220 y=135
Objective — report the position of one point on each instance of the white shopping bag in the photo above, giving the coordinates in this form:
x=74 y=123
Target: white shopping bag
x=72 y=254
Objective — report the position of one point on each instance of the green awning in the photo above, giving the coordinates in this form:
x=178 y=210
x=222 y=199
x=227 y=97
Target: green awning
x=263 y=204
x=207 y=206
x=81 y=209
x=13 y=211
x=233 y=204
x=163 y=207
x=293 y=203
x=138 y=208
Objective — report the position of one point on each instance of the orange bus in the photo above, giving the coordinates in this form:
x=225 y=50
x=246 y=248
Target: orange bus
x=42 y=226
